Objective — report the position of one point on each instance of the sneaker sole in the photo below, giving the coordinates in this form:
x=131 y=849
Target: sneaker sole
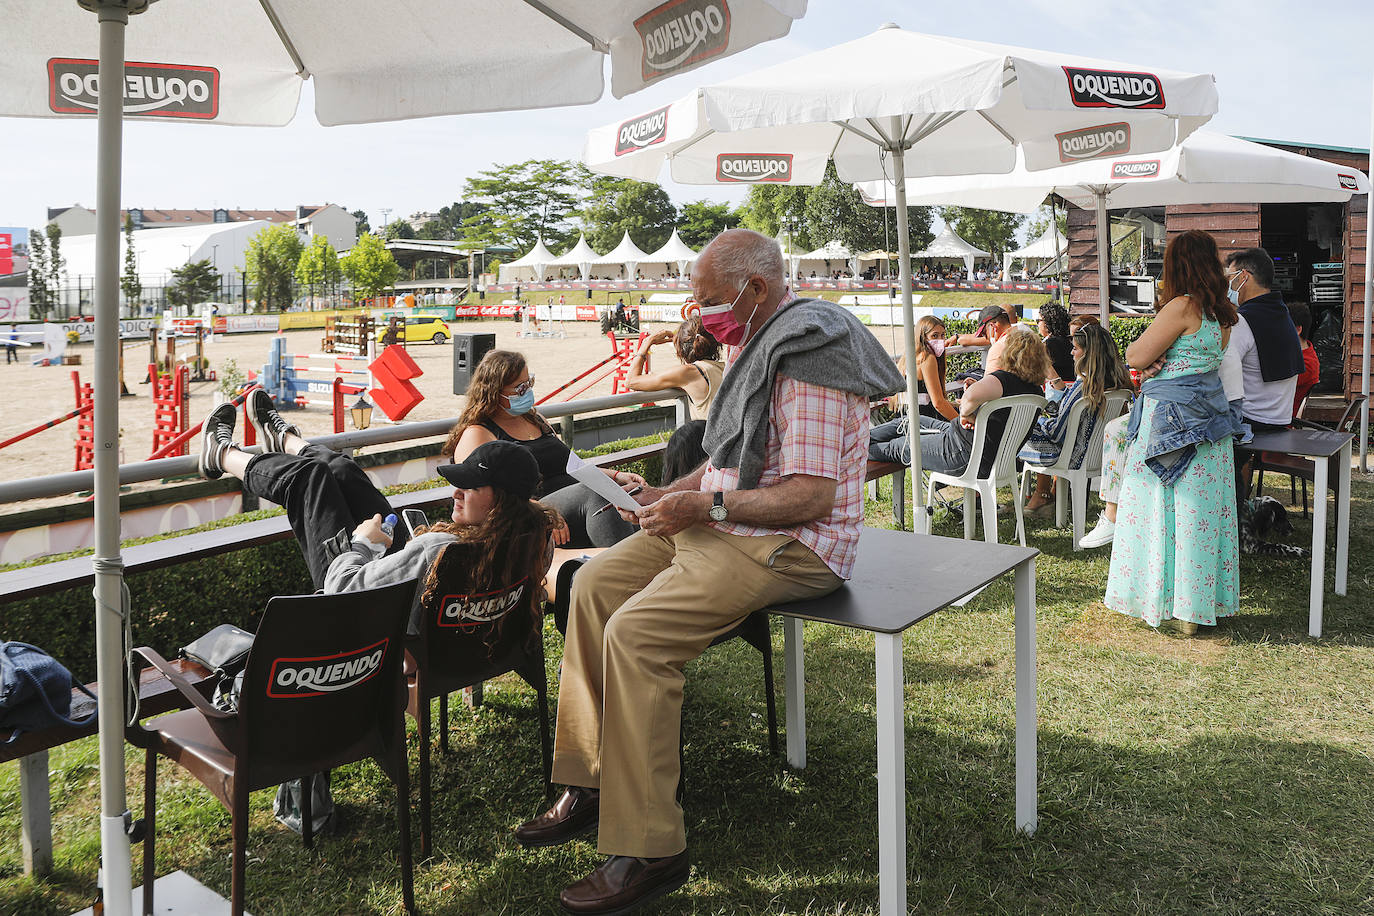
x=201 y=462
x=270 y=441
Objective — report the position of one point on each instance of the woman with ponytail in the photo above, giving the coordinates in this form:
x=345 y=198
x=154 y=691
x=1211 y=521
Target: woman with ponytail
x=698 y=369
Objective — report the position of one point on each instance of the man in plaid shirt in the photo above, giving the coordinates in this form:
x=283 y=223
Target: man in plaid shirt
x=711 y=549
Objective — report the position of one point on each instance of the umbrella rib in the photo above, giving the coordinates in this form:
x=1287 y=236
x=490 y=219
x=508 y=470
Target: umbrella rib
x=286 y=43
x=596 y=43
x=997 y=127
x=845 y=125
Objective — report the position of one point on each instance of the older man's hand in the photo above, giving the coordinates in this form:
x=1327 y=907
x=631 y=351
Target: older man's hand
x=671 y=512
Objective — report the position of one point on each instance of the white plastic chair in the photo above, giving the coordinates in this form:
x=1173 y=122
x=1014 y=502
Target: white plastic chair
x=1078 y=479
x=1024 y=409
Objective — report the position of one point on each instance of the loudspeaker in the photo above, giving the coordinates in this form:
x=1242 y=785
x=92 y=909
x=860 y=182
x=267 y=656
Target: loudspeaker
x=468 y=350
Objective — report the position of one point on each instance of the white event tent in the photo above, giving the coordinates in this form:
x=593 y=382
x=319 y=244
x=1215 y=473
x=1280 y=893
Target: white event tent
x=824 y=259
x=530 y=265
x=948 y=246
x=580 y=256
x=1049 y=247
x=674 y=252
x=626 y=255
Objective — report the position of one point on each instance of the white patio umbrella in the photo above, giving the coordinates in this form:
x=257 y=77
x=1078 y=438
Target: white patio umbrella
x=243 y=62
x=627 y=254
x=534 y=260
x=1207 y=168
x=949 y=246
x=582 y=256
x=898 y=103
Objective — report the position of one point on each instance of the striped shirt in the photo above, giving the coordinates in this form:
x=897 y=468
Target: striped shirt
x=818 y=432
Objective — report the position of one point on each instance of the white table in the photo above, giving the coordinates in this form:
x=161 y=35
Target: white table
x=1319 y=446
x=899 y=580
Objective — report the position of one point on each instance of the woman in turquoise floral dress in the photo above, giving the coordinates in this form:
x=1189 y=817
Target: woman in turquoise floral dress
x=1175 y=555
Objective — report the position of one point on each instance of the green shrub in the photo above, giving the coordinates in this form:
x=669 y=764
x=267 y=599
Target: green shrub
x=1125 y=331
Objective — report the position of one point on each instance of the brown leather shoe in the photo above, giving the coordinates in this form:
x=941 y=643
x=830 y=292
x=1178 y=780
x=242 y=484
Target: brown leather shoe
x=576 y=812
x=623 y=883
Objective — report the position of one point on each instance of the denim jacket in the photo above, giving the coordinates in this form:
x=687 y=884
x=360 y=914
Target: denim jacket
x=1188 y=410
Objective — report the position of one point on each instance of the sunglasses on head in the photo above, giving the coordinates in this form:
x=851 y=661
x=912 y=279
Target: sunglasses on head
x=521 y=387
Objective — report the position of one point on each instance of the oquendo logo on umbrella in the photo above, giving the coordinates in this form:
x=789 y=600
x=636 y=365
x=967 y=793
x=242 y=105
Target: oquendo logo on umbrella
x=150 y=90
x=1114 y=89
x=754 y=167
x=645 y=130
x=682 y=33
x=1094 y=142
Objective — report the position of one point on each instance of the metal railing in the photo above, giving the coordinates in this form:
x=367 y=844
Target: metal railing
x=141 y=471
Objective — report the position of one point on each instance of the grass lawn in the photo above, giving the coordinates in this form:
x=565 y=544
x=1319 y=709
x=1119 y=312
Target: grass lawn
x=1229 y=773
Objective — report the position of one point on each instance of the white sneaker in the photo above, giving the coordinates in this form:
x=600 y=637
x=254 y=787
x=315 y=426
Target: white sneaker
x=1101 y=535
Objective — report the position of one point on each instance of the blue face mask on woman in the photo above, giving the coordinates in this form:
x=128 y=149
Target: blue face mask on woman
x=521 y=403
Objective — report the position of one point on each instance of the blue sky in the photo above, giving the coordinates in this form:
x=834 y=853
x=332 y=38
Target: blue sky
x=1299 y=71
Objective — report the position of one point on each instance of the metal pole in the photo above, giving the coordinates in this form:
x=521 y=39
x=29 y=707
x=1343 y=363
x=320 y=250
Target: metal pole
x=1104 y=256
x=1364 y=354
x=109 y=567
x=920 y=523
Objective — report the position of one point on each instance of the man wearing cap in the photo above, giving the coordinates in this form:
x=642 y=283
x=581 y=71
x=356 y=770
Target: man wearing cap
x=772 y=516
x=993 y=323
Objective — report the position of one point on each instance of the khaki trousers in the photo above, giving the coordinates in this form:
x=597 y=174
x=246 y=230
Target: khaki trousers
x=639 y=612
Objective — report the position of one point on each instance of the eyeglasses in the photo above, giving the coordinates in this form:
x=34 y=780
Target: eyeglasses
x=521 y=387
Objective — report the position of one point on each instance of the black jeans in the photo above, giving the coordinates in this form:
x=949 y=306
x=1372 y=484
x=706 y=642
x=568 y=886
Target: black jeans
x=323 y=493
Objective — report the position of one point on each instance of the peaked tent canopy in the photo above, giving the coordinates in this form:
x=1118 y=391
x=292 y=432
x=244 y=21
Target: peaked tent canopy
x=1049 y=247
x=581 y=256
x=534 y=261
x=948 y=246
x=825 y=257
x=674 y=251
x=627 y=255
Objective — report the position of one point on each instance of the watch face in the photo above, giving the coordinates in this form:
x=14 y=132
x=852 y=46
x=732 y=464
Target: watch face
x=717 y=513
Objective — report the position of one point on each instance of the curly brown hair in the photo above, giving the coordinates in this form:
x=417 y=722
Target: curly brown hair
x=510 y=544
x=497 y=369
x=1192 y=268
x=1024 y=355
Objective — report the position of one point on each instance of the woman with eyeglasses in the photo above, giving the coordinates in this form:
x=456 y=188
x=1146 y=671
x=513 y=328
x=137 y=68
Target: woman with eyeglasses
x=500 y=407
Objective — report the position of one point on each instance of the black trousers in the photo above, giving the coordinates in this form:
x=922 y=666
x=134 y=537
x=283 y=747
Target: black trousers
x=323 y=493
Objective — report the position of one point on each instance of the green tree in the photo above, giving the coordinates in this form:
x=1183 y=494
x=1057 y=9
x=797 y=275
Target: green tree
x=370 y=267
x=775 y=209
x=38 y=274
x=57 y=267
x=619 y=205
x=835 y=210
x=1040 y=221
x=398 y=229
x=702 y=220
x=318 y=267
x=195 y=281
x=434 y=229
x=360 y=217
x=453 y=217
x=129 y=283
x=990 y=230
x=525 y=201
x=272 y=257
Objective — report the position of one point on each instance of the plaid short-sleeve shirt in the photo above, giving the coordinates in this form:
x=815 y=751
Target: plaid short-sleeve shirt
x=818 y=432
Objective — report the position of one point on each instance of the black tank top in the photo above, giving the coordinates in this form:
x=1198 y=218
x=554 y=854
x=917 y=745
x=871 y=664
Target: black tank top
x=549 y=453
x=1011 y=384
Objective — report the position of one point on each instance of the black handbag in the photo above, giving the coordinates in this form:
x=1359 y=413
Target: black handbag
x=224 y=650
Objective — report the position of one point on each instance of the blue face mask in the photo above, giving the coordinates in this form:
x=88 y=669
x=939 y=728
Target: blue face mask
x=521 y=403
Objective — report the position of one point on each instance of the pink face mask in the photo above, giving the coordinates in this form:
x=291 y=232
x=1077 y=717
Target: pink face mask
x=722 y=324
x=936 y=345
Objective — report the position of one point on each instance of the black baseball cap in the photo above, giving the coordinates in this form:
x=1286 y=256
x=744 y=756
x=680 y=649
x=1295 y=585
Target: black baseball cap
x=989 y=314
x=499 y=464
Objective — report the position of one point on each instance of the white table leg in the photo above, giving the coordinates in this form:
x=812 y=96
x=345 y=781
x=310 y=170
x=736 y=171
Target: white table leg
x=1027 y=788
x=35 y=814
x=794 y=680
x=887 y=649
x=1314 y=600
x=1343 y=521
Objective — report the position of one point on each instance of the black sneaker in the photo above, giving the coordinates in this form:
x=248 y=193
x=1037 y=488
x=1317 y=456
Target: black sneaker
x=271 y=428
x=216 y=435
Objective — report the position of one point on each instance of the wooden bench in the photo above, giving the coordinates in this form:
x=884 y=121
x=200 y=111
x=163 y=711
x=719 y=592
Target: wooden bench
x=156 y=695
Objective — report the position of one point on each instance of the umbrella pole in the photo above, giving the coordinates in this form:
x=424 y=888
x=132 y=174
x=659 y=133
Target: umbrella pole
x=1104 y=256
x=920 y=522
x=1364 y=353
x=109 y=567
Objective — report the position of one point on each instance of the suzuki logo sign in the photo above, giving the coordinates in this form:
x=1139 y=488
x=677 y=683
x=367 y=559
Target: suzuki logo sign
x=392 y=371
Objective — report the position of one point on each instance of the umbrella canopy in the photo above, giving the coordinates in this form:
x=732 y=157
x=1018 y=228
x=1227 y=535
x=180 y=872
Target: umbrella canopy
x=950 y=247
x=1206 y=168
x=534 y=260
x=581 y=256
x=674 y=251
x=897 y=102
x=242 y=62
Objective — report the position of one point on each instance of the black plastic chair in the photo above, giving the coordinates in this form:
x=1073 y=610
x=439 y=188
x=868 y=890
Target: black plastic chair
x=466 y=639
x=323 y=687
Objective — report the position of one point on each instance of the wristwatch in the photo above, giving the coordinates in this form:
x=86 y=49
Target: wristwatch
x=717 y=510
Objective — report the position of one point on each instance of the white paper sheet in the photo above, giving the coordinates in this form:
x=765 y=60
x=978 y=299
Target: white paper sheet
x=601 y=483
